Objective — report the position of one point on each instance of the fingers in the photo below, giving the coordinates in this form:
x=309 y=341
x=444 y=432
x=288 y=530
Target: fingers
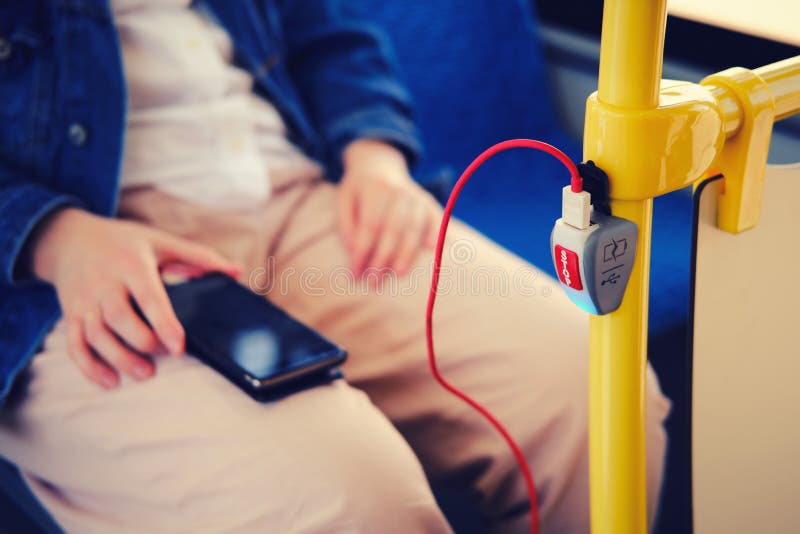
x=174 y=249
x=79 y=352
x=409 y=246
x=149 y=293
x=409 y=225
x=391 y=229
x=346 y=216
x=434 y=215
x=120 y=317
x=399 y=223
x=112 y=350
x=369 y=224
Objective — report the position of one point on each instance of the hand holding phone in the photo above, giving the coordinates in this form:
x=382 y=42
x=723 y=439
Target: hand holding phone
x=103 y=270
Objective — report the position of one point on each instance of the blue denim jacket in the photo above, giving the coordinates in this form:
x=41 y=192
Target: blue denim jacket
x=62 y=116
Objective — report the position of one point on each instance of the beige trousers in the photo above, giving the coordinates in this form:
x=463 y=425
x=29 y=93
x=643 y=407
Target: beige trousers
x=188 y=452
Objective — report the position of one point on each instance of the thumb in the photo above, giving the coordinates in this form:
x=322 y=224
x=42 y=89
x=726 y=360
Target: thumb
x=171 y=249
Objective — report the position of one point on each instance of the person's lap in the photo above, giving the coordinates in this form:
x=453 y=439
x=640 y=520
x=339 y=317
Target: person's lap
x=187 y=451
x=522 y=354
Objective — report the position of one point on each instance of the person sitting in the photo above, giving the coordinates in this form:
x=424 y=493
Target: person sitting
x=271 y=141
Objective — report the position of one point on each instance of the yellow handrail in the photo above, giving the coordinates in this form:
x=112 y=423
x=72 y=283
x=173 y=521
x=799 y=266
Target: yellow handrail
x=783 y=79
x=631 y=52
x=652 y=137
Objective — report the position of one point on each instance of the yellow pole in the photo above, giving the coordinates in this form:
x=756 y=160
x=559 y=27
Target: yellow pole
x=631 y=57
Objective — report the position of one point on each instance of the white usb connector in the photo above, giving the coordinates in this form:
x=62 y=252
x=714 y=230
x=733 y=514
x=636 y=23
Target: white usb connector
x=593 y=253
x=576 y=208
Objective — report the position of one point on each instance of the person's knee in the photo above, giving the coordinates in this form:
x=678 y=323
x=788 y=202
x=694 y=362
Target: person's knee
x=387 y=492
x=360 y=475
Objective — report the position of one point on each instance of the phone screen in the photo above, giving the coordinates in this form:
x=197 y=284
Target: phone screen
x=228 y=323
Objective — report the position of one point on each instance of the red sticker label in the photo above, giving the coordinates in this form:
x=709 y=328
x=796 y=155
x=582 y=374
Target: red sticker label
x=567 y=268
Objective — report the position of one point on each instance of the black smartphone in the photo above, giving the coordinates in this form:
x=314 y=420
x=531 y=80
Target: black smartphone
x=249 y=340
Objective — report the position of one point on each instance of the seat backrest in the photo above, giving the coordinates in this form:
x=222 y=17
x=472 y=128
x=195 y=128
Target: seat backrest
x=475 y=70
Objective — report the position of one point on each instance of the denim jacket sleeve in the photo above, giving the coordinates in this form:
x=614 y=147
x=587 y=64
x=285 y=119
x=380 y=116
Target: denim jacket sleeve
x=23 y=204
x=344 y=71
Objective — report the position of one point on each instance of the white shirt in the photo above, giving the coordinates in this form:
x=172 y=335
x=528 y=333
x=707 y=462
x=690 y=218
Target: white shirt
x=195 y=129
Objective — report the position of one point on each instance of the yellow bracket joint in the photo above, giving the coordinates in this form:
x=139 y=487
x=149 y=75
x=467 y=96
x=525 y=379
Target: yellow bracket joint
x=743 y=160
x=674 y=144
x=666 y=147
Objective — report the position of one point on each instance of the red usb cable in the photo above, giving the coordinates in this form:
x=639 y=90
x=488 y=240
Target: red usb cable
x=576 y=185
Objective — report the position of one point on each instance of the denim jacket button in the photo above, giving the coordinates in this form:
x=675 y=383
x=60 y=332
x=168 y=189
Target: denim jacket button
x=77 y=134
x=5 y=49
